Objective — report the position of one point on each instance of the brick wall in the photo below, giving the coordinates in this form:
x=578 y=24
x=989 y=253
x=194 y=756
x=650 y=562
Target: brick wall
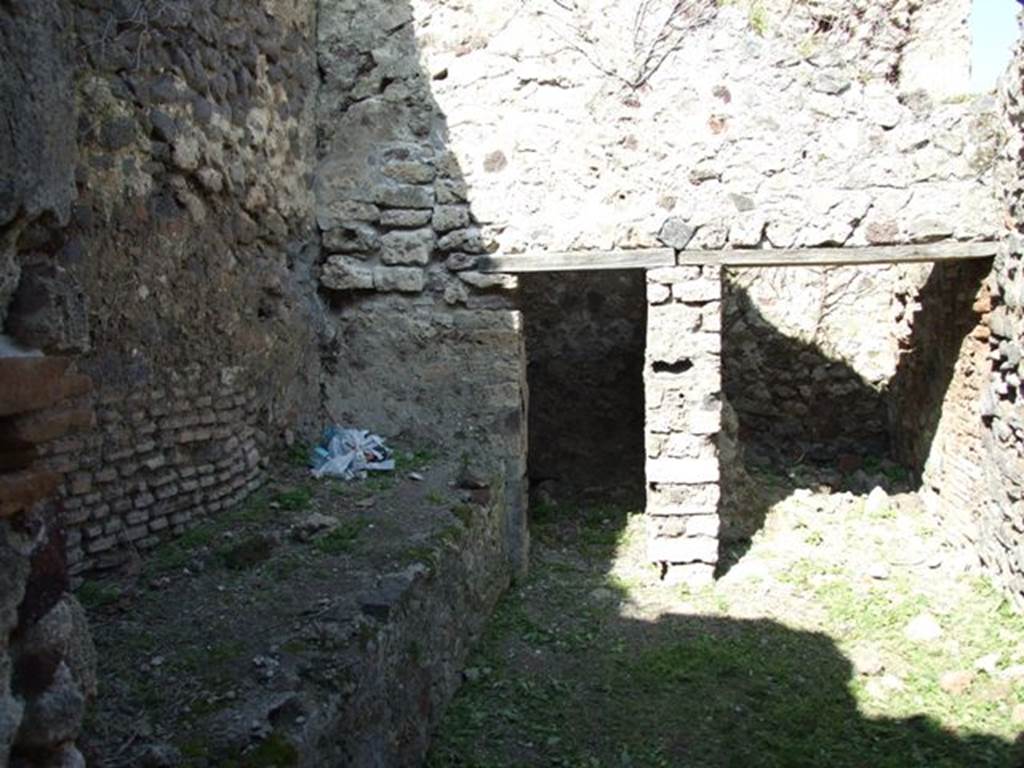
x=156 y=461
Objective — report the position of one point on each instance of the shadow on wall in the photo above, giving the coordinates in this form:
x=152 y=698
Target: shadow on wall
x=585 y=338
x=794 y=403
x=419 y=343
x=946 y=314
x=419 y=346
x=589 y=685
x=847 y=433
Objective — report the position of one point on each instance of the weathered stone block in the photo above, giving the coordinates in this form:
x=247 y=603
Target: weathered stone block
x=410 y=172
x=674 y=526
x=352 y=237
x=682 y=471
x=405 y=196
x=697 y=290
x=340 y=274
x=402 y=219
x=669 y=275
x=451 y=191
x=682 y=445
x=465 y=240
x=670 y=321
x=19 y=491
x=449 y=217
x=658 y=293
x=711 y=318
x=687 y=549
x=676 y=233
x=399 y=279
x=402 y=248
x=486 y=281
x=685 y=344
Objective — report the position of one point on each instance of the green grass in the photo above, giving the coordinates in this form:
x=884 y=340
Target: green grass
x=297 y=455
x=255 y=510
x=294 y=499
x=341 y=540
x=464 y=513
x=414 y=461
x=758 y=18
x=578 y=682
x=94 y=595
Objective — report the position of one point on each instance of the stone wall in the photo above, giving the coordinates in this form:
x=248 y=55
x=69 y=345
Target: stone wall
x=995 y=522
x=683 y=386
x=47 y=665
x=418 y=343
x=170 y=232
x=156 y=229
x=934 y=399
x=763 y=125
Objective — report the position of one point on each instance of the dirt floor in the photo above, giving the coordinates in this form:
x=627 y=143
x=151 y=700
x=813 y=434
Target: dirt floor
x=843 y=634
x=209 y=644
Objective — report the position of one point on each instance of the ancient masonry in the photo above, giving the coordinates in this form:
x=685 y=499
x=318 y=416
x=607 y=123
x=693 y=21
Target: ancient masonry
x=170 y=457
x=223 y=223
x=683 y=381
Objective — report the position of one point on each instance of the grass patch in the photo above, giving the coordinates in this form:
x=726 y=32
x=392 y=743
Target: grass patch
x=574 y=682
x=255 y=511
x=297 y=456
x=94 y=595
x=414 y=461
x=247 y=553
x=294 y=499
x=464 y=513
x=342 y=539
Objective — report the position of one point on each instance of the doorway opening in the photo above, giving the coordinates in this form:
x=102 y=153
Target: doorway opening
x=585 y=341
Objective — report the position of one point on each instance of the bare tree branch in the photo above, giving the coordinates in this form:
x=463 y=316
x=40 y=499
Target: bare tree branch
x=659 y=29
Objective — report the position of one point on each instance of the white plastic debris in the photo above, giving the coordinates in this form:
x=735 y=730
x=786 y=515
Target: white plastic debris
x=350 y=453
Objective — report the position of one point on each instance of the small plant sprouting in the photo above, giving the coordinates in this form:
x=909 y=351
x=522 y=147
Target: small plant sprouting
x=341 y=539
x=294 y=499
x=758 y=18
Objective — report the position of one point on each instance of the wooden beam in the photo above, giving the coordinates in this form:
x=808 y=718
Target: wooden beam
x=647 y=258
x=822 y=257
x=644 y=258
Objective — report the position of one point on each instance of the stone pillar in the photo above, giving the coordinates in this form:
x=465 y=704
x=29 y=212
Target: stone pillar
x=683 y=393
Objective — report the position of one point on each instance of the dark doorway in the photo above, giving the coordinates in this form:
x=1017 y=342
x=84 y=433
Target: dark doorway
x=585 y=339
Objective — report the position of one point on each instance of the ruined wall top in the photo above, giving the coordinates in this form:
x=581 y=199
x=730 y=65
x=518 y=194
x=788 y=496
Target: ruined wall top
x=763 y=124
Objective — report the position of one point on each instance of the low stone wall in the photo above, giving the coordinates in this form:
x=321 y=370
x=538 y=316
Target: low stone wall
x=683 y=383
x=420 y=625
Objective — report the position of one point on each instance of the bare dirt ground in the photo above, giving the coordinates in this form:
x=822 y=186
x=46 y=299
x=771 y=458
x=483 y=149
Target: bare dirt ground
x=212 y=646
x=843 y=634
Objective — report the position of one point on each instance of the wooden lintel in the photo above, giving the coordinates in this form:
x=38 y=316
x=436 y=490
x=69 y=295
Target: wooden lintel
x=648 y=258
x=572 y=261
x=822 y=257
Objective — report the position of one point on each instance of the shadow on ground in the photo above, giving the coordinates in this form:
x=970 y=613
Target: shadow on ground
x=582 y=668
x=832 y=426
